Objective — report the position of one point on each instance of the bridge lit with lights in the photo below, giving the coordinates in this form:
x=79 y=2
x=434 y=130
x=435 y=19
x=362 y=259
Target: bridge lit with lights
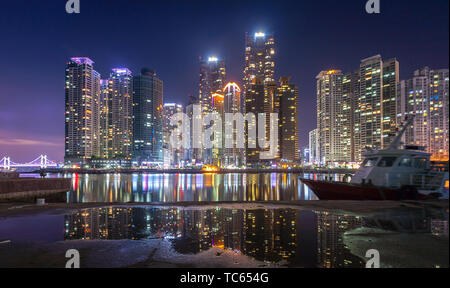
x=42 y=162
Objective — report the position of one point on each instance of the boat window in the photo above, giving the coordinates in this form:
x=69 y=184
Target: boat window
x=406 y=162
x=369 y=162
x=387 y=161
x=420 y=163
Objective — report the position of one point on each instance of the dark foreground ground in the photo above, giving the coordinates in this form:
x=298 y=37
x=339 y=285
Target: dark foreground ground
x=397 y=248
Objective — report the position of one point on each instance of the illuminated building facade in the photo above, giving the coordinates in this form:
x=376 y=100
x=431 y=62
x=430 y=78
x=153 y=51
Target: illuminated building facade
x=389 y=101
x=147 y=117
x=259 y=58
x=212 y=80
x=286 y=106
x=105 y=121
x=194 y=154
x=334 y=145
x=426 y=96
x=254 y=103
x=232 y=104
x=377 y=103
x=81 y=116
x=314 y=151
x=172 y=157
x=120 y=87
x=259 y=85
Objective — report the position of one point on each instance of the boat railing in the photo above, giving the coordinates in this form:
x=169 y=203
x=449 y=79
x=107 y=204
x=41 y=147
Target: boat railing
x=430 y=180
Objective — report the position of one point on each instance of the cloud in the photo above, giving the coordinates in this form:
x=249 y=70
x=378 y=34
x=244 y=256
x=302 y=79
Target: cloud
x=28 y=142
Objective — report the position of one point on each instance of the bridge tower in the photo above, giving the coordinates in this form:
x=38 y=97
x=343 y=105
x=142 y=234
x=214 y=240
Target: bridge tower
x=43 y=161
x=6 y=163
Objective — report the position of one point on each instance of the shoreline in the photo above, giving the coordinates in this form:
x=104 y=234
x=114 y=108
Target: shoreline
x=362 y=208
x=195 y=171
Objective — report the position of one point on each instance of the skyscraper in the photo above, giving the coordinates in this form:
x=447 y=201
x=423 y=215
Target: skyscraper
x=389 y=101
x=212 y=80
x=334 y=145
x=314 y=152
x=377 y=103
x=105 y=121
x=259 y=58
x=193 y=155
x=233 y=156
x=426 y=96
x=120 y=87
x=172 y=157
x=287 y=103
x=259 y=85
x=254 y=103
x=81 y=93
x=147 y=117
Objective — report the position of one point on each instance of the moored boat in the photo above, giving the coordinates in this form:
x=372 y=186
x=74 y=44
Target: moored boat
x=391 y=174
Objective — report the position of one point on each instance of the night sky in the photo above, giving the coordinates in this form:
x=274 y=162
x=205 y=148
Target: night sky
x=38 y=37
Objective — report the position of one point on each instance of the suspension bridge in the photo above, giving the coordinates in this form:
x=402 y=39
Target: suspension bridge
x=42 y=162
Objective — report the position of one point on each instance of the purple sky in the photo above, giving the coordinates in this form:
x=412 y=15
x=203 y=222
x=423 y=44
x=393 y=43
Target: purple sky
x=38 y=37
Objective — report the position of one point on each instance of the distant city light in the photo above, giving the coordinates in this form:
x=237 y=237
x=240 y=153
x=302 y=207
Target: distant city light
x=121 y=70
x=212 y=59
x=232 y=84
x=259 y=34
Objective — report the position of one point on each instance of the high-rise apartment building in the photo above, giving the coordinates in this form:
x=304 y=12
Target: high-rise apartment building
x=120 y=86
x=314 y=151
x=105 y=121
x=233 y=156
x=172 y=157
x=426 y=96
x=212 y=80
x=389 y=101
x=259 y=86
x=81 y=117
x=377 y=103
x=287 y=105
x=147 y=117
x=254 y=103
x=259 y=58
x=350 y=111
x=332 y=121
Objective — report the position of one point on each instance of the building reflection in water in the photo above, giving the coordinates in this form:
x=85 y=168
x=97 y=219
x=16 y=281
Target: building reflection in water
x=188 y=187
x=301 y=238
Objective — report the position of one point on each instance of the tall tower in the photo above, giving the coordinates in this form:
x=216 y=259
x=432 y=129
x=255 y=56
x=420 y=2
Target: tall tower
x=147 y=117
x=259 y=86
x=389 y=101
x=105 y=121
x=212 y=80
x=377 y=104
x=330 y=117
x=259 y=58
x=287 y=105
x=371 y=73
x=120 y=88
x=426 y=96
x=172 y=157
x=232 y=156
x=81 y=92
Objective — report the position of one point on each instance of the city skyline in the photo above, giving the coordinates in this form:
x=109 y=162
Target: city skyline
x=25 y=133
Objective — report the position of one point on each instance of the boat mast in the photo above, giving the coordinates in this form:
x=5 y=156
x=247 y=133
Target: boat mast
x=397 y=140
